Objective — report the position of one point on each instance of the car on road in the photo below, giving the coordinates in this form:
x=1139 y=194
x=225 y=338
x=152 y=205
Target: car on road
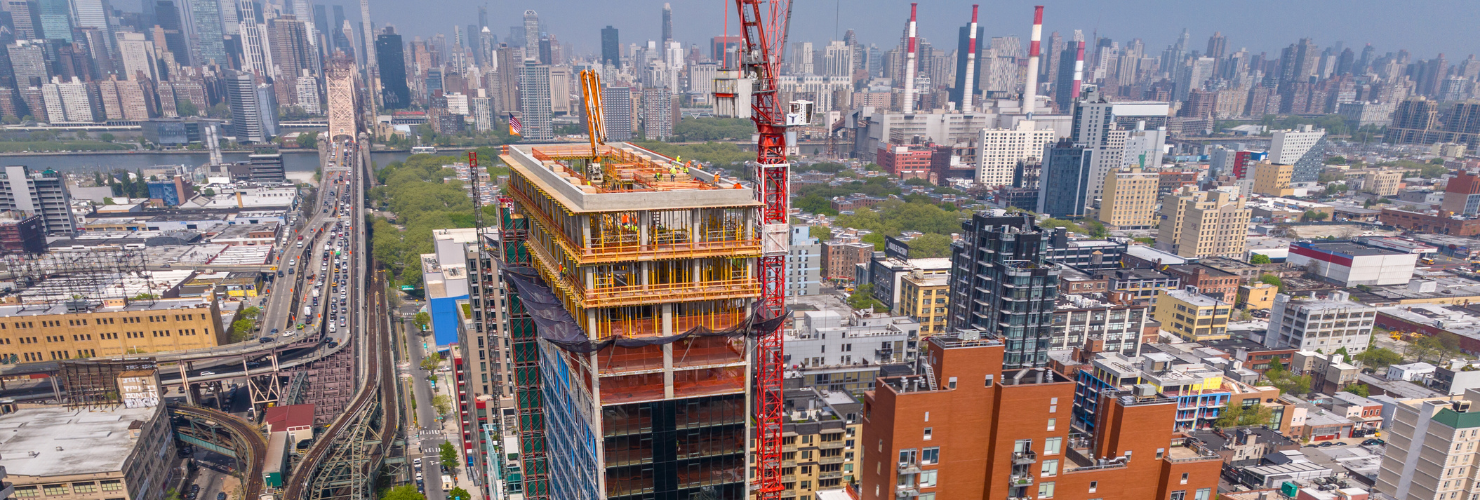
x=274 y=331
x=207 y=373
x=265 y=340
x=1373 y=441
x=221 y=496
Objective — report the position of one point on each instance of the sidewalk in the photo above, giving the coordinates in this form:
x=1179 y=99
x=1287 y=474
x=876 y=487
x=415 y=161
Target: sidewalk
x=454 y=435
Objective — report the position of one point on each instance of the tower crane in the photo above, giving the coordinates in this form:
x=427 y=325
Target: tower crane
x=595 y=122
x=763 y=27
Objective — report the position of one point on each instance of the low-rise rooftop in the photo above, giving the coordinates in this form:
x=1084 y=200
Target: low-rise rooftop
x=55 y=441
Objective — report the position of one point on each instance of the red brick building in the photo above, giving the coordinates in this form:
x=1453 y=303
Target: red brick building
x=1432 y=224
x=906 y=162
x=20 y=234
x=973 y=431
x=841 y=259
x=1209 y=280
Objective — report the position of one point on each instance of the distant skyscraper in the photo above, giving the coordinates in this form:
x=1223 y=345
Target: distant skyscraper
x=246 y=108
x=367 y=30
x=611 y=47
x=531 y=33
x=341 y=42
x=657 y=113
x=482 y=16
x=618 y=113
x=27 y=18
x=28 y=61
x=56 y=19
x=1216 y=45
x=667 y=22
x=1064 y=184
x=94 y=14
x=172 y=22
x=321 y=25
x=394 y=93
x=256 y=56
x=534 y=90
x=206 y=32
x=724 y=48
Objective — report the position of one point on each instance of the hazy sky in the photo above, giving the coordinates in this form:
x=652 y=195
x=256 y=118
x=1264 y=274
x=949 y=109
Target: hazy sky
x=1424 y=27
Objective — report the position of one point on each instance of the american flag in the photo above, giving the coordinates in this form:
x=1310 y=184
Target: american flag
x=514 y=126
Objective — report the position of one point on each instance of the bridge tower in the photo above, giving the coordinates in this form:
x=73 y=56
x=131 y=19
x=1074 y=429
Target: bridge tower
x=344 y=102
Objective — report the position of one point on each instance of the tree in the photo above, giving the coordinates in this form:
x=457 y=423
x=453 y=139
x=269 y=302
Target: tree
x=1259 y=258
x=105 y=137
x=186 y=108
x=208 y=192
x=308 y=139
x=442 y=404
x=431 y=362
x=171 y=494
x=448 y=455
x=423 y=320
x=1358 y=389
x=1335 y=160
x=822 y=233
x=1239 y=416
x=1430 y=347
x=930 y=246
x=108 y=200
x=220 y=110
x=863 y=298
x=406 y=492
x=1097 y=229
x=1312 y=215
x=459 y=494
x=1378 y=358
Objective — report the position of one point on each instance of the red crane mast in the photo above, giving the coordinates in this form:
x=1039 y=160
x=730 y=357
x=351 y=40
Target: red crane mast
x=763 y=30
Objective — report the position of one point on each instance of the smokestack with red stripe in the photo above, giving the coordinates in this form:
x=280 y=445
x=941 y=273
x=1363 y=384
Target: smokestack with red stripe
x=1078 y=71
x=1030 y=89
x=968 y=93
x=909 y=67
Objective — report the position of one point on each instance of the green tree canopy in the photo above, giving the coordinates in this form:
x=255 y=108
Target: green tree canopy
x=1378 y=358
x=448 y=455
x=1259 y=258
x=863 y=298
x=404 y=492
x=458 y=494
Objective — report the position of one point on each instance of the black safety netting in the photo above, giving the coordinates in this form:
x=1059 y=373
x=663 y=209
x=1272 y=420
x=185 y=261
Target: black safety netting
x=558 y=327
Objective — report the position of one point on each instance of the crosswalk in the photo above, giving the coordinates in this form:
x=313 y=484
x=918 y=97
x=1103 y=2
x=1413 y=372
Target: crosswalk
x=429 y=432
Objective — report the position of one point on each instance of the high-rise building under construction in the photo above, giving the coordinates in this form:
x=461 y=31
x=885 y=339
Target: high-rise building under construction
x=639 y=276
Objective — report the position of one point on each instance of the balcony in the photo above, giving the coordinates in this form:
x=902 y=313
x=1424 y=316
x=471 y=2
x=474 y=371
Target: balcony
x=906 y=492
x=1024 y=457
x=909 y=468
x=1020 y=480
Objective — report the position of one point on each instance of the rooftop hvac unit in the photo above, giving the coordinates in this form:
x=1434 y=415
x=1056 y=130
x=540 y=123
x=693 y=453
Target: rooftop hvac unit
x=1145 y=390
x=1462 y=406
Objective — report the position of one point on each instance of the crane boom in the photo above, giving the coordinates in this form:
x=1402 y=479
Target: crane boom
x=763 y=25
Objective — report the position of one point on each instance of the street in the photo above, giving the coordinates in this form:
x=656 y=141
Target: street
x=426 y=432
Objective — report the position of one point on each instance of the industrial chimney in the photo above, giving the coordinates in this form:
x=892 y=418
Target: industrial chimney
x=968 y=93
x=1030 y=89
x=1078 y=71
x=909 y=67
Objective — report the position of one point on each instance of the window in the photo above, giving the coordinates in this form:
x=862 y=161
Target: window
x=1179 y=495
x=927 y=479
x=54 y=489
x=1045 y=490
x=988 y=382
x=1184 y=478
x=1160 y=452
x=1093 y=485
x=1203 y=494
x=930 y=456
x=952 y=383
x=927 y=433
x=84 y=487
x=1052 y=422
x=1022 y=446
x=907 y=456
x=25 y=492
x=1050 y=468
x=1051 y=445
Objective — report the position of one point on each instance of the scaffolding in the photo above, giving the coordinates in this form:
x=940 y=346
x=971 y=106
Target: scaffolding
x=93 y=385
x=82 y=279
x=524 y=340
x=639 y=268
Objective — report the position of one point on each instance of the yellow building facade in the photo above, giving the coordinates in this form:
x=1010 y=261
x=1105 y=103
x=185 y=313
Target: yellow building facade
x=1258 y=296
x=1129 y=199
x=31 y=333
x=1192 y=316
x=1273 y=179
x=924 y=298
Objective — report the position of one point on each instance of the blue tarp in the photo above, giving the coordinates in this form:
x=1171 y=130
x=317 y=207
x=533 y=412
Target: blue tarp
x=444 y=319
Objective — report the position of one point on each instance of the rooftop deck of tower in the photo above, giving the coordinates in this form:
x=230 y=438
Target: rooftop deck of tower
x=632 y=179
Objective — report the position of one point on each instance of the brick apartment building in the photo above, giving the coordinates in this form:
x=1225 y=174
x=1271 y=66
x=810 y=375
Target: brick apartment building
x=1210 y=281
x=970 y=430
x=841 y=258
x=1433 y=224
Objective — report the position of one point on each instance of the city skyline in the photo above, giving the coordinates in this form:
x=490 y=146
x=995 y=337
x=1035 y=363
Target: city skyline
x=1246 y=25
